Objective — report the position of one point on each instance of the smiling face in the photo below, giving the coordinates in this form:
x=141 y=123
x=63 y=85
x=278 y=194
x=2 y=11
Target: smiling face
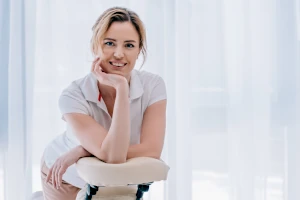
x=120 y=49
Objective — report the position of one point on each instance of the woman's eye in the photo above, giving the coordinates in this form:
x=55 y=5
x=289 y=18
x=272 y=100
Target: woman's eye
x=109 y=43
x=129 y=45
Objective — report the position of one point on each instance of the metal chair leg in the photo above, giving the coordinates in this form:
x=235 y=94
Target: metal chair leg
x=91 y=190
x=141 y=189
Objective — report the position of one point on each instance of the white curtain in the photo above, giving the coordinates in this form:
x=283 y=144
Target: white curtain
x=233 y=81
x=17 y=28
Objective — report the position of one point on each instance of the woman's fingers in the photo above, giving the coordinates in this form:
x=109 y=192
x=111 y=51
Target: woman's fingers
x=53 y=176
x=94 y=63
x=97 y=70
x=99 y=73
x=57 y=177
x=60 y=174
x=49 y=175
x=55 y=173
x=97 y=64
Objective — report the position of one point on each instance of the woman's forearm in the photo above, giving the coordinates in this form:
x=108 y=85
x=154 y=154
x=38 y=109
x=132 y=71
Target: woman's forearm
x=82 y=152
x=142 y=150
x=116 y=143
x=134 y=151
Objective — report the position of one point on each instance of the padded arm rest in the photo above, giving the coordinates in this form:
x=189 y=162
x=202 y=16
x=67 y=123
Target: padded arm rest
x=133 y=171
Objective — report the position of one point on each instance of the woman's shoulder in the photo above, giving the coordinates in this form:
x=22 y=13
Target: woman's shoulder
x=82 y=87
x=153 y=85
x=73 y=87
x=148 y=78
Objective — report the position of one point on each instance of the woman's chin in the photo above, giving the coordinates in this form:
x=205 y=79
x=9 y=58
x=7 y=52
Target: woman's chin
x=122 y=71
x=115 y=72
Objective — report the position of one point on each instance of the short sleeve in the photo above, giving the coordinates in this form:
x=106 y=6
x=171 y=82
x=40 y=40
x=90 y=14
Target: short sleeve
x=73 y=101
x=158 y=92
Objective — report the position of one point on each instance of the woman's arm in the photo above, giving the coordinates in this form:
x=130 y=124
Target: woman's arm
x=116 y=143
x=152 y=133
x=63 y=163
x=110 y=146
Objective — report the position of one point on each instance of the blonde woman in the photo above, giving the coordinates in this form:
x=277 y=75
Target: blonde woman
x=113 y=113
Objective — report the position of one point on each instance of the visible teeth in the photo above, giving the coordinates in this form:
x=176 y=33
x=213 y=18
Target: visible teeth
x=118 y=64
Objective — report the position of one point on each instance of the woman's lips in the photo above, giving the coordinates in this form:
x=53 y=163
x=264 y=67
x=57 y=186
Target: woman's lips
x=117 y=64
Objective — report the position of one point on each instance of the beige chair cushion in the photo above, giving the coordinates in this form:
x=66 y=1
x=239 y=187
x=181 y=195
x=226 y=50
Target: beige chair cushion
x=134 y=171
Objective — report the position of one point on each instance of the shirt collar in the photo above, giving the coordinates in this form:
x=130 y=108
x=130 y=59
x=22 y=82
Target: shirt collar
x=91 y=93
x=136 y=86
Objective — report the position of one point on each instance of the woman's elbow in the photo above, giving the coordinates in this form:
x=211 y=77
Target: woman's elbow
x=115 y=161
x=151 y=152
x=155 y=155
x=111 y=159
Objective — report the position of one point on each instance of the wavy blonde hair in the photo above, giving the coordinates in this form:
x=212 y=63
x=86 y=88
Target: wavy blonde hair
x=118 y=14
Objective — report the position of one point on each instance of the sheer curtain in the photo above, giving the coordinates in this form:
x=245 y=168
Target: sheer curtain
x=233 y=79
x=4 y=34
x=17 y=23
x=231 y=75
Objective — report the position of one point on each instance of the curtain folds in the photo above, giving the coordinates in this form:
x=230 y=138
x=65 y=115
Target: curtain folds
x=232 y=75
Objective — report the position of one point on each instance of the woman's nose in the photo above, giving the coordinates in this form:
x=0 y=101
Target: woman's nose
x=119 y=53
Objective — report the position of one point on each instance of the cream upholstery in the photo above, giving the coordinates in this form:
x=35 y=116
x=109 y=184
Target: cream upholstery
x=134 y=171
x=118 y=181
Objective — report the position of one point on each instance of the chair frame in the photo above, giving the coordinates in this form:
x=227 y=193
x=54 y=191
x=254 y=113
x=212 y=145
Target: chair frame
x=142 y=188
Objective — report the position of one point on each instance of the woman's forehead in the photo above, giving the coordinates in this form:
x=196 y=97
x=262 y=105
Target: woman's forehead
x=122 y=31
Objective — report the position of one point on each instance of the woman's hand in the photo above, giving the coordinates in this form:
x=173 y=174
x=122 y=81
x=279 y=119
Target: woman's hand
x=61 y=165
x=112 y=80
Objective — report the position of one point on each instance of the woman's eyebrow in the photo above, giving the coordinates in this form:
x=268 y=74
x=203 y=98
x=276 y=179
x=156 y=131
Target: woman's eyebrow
x=116 y=40
x=130 y=41
x=110 y=39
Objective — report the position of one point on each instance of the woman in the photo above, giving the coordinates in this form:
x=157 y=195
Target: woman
x=114 y=113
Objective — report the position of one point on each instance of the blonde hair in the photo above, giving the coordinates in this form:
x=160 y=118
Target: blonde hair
x=118 y=14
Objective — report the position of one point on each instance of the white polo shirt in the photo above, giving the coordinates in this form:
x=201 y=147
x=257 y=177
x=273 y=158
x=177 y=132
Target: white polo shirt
x=82 y=96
